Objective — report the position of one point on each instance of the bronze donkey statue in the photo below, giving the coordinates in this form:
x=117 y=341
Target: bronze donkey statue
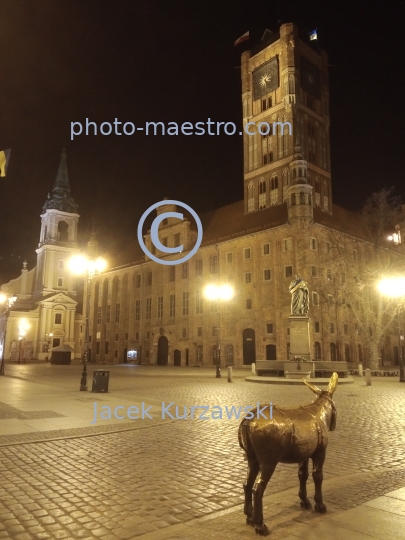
x=287 y=435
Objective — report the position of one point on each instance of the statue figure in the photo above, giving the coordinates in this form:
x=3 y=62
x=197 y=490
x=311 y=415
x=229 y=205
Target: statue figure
x=300 y=296
x=287 y=435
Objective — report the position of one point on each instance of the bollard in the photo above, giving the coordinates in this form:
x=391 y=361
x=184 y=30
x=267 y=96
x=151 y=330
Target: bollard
x=254 y=369
x=361 y=370
x=218 y=373
x=230 y=374
x=368 y=377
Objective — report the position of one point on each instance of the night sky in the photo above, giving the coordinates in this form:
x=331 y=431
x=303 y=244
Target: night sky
x=139 y=61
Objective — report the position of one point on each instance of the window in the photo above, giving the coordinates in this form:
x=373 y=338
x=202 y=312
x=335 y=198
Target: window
x=317 y=350
x=126 y=336
x=149 y=279
x=199 y=331
x=148 y=335
x=185 y=303
x=99 y=315
x=160 y=307
x=61 y=265
x=288 y=271
x=60 y=282
x=329 y=274
x=313 y=243
x=98 y=347
x=266 y=275
x=138 y=281
x=185 y=270
x=136 y=336
x=213 y=330
x=314 y=271
x=315 y=298
x=172 y=306
x=317 y=327
x=266 y=249
x=147 y=354
x=116 y=337
x=148 y=308
x=214 y=264
x=172 y=273
x=116 y=353
x=330 y=299
x=328 y=247
x=177 y=239
x=247 y=253
x=214 y=306
x=287 y=244
x=137 y=310
x=108 y=314
x=117 y=312
x=248 y=277
x=346 y=328
x=229 y=257
x=164 y=241
x=343 y=278
x=198 y=267
x=106 y=347
x=58 y=318
x=249 y=303
x=269 y=328
x=331 y=328
x=266 y=103
x=184 y=332
x=198 y=301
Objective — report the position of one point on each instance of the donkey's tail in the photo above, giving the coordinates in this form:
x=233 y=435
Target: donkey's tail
x=244 y=439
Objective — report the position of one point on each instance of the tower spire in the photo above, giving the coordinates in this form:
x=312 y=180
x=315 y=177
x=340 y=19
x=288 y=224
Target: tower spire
x=61 y=198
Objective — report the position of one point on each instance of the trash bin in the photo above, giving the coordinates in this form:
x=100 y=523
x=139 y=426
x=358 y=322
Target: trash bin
x=100 y=380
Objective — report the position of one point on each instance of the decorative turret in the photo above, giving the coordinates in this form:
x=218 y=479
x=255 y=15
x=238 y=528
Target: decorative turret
x=61 y=197
x=299 y=192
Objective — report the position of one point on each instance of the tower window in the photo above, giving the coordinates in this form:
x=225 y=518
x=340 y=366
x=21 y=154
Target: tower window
x=63 y=231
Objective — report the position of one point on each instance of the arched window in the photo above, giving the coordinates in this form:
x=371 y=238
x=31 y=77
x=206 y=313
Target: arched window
x=285 y=184
x=294 y=173
x=302 y=198
x=291 y=84
x=317 y=185
x=274 y=190
x=63 y=231
x=262 y=193
x=347 y=352
x=293 y=199
x=251 y=197
x=333 y=352
x=317 y=350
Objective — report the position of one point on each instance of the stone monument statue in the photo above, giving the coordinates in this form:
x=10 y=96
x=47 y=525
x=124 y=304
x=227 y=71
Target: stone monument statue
x=300 y=296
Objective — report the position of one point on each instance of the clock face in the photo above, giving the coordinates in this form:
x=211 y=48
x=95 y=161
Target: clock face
x=265 y=78
x=310 y=78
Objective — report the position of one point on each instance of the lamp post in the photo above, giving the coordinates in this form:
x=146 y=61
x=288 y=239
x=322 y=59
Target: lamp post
x=217 y=293
x=8 y=302
x=88 y=268
x=395 y=288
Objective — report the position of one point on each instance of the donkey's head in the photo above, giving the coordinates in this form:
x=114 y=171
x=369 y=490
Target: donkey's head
x=327 y=394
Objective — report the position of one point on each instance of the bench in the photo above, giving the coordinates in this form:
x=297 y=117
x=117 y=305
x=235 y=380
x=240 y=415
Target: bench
x=270 y=368
x=325 y=369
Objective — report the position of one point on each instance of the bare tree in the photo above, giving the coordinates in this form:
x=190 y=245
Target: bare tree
x=352 y=269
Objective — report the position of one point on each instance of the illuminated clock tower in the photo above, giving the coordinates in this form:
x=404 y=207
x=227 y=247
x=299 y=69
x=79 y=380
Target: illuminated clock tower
x=285 y=84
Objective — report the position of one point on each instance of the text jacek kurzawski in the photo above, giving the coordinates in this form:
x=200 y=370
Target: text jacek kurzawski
x=183 y=412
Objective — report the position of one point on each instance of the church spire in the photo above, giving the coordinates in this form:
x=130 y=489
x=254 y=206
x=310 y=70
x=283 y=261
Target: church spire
x=61 y=198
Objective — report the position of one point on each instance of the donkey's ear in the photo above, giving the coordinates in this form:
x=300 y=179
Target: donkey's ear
x=333 y=383
x=314 y=388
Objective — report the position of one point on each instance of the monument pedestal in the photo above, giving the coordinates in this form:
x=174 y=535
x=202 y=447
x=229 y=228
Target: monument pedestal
x=299 y=337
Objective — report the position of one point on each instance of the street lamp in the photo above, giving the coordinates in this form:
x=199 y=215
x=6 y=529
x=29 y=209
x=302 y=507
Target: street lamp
x=395 y=288
x=88 y=268
x=217 y=293
x=8 y=303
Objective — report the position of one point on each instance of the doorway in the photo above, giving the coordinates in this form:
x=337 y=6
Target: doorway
x=163 y=351
x=249 y=346
x=177 y=357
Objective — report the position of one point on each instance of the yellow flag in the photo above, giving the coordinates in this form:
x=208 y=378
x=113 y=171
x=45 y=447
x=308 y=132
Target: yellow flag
x=4 y=160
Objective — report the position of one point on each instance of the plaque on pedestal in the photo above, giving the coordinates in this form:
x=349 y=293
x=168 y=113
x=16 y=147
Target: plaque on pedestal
x=299 y=337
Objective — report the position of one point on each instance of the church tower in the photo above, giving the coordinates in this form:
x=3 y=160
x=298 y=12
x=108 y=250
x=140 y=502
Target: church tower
x=285 y=98
x=58 y=237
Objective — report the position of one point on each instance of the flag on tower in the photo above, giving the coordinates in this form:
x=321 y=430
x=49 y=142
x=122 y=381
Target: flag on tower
x=4 y=160
x=313 y=35
x=243 y=38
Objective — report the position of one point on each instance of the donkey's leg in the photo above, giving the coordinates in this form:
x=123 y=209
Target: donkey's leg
x=253 y=471
x=303 y=477
x=318 y=460
x=266 y=472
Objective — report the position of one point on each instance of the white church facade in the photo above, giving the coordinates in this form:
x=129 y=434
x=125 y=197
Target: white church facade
x=42 y=308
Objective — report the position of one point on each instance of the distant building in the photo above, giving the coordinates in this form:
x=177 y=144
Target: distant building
x=151 y=313
x=44 y=313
